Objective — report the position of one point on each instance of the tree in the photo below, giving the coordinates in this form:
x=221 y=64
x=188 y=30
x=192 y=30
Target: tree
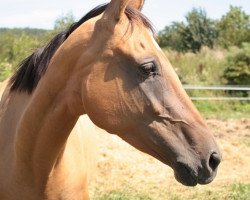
x=16 y=44
x=237 y=70
x=64 y=22
x=198 y=31
x=172 y=36
x=234 y=28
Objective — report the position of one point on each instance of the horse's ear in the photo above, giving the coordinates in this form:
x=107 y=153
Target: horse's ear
x=138 y=4
x=116 y=8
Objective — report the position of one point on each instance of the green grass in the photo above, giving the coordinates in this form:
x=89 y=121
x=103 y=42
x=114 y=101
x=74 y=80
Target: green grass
x=116 y=195
x=246 y=141
x=240 y=192
x=125 y=194
x=237 y=191
x=223 y=109
x=205 y=67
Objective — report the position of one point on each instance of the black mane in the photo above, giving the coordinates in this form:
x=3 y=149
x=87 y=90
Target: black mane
x=32 y=68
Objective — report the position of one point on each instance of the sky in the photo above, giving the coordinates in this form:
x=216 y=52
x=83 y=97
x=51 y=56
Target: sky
x=42 y=14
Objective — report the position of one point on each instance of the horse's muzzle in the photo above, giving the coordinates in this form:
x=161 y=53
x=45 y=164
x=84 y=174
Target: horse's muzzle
x=191 y=175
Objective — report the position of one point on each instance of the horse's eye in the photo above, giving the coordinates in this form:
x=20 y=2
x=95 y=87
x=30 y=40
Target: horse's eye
x=148 y=69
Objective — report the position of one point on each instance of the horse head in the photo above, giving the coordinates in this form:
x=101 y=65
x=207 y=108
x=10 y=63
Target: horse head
x=130 y=89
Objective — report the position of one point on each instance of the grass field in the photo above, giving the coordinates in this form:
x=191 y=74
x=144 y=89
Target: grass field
x=237 y=191
x=224 y=110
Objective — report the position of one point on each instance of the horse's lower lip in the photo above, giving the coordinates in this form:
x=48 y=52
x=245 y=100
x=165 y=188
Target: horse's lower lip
x=184 y=175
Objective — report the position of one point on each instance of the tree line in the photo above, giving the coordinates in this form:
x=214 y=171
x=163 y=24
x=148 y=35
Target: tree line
x=18 y=43
x=198 y=30
x=231 y=32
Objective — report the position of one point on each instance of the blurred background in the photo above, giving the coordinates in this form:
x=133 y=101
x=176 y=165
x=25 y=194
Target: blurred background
x=208 y=44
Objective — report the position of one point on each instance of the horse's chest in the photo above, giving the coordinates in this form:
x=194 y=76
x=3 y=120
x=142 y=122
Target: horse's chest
x=67 y=182
x=67 y=189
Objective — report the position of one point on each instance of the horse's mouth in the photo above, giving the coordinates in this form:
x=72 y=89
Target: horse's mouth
x=188 y=177
x=185 y=176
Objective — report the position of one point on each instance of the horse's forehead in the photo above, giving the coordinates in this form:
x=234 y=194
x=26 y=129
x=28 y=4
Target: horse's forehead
x=136 y=35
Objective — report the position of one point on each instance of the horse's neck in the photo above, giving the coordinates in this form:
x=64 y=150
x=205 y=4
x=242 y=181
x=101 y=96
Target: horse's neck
x=35 y=129
x=49 y=117
x=38 y=147
x=12 y=106
x=42 y=133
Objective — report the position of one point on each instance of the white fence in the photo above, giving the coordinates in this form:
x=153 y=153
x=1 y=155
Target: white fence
x=222 y=88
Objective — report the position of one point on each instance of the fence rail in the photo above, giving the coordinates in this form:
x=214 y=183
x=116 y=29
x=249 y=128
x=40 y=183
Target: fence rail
x=222 y=88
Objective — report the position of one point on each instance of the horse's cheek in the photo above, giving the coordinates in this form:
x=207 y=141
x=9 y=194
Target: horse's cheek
x=102 y=106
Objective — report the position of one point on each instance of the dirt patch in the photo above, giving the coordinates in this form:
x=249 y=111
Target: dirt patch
x=120 y=165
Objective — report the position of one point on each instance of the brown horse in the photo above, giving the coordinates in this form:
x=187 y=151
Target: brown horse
x=109 y=67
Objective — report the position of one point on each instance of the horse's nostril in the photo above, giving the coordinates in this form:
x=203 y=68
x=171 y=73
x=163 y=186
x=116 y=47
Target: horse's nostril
x=214 y=160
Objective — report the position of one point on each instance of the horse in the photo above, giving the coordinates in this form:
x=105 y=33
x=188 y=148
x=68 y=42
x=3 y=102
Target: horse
x=106 y=66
